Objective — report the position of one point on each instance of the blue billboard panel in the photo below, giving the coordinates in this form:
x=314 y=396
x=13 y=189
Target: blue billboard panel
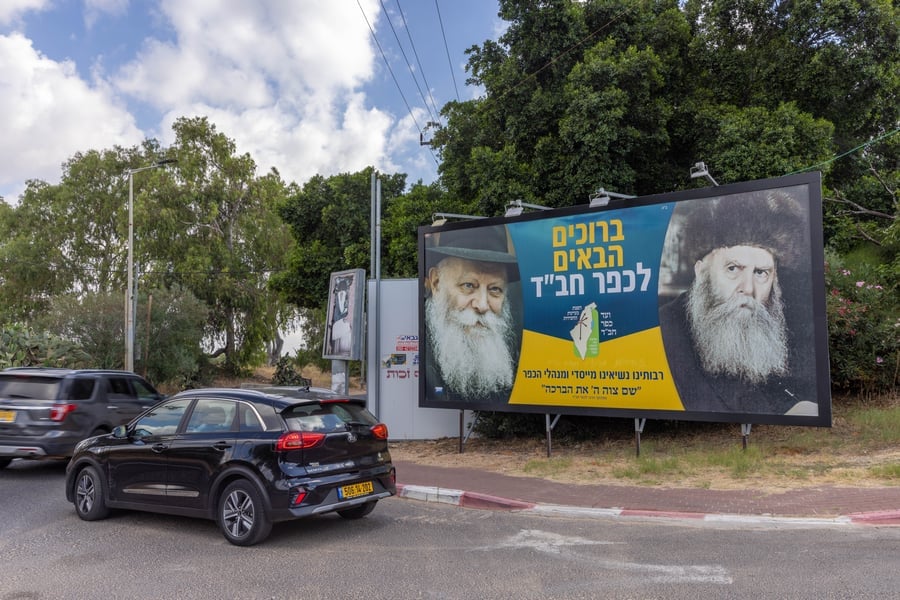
x=700 y=305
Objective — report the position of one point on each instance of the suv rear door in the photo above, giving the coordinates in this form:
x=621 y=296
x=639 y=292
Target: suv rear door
x=29 y=405
x=123 y=401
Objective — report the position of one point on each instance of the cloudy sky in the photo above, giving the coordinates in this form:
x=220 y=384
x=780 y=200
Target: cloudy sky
x=302 y=85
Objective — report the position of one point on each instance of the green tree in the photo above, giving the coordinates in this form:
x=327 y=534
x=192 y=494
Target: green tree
x=400 y=227
x=70 y=237
x=577 y=96
x=329 y=219
x=217 y=233
x=168 y=333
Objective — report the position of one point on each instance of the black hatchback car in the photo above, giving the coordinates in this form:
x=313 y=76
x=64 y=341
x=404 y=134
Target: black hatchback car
x=244 y=458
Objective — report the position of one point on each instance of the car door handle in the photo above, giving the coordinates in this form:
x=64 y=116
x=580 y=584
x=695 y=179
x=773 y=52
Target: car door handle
x=221 y=445
x=159 y=447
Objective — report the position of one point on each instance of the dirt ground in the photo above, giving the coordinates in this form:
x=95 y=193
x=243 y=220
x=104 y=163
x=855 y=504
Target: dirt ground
x=710 y=456
x=672 y=464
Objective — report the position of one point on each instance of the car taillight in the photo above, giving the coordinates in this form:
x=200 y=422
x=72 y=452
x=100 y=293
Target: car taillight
x=301 y=494
x=380 y=431
x=59 y=411
x=298 y=440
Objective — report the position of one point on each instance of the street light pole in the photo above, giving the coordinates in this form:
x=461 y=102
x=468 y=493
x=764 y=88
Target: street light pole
x=129 y=294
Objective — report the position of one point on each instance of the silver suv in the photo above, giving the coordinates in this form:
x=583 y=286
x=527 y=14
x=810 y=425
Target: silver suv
x=45 y=412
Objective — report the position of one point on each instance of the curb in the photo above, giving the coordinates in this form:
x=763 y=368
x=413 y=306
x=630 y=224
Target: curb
x=484 y=501
x=460 y=498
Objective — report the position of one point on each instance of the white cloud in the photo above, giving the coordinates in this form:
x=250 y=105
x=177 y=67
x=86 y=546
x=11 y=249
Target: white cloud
x=50 y=114
x=282 y=79
x=11 y=10
x=96 y=9
x=285 y=79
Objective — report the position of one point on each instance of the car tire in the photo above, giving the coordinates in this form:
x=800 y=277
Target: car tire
x=358 y=512
x=90 y=501
x=242 y=514
x=4 y=462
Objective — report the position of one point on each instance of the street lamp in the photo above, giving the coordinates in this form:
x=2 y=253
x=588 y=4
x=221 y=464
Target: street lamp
x=130 y=296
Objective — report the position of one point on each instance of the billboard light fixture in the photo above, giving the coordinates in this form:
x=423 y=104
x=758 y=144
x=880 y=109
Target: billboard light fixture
x=439 y=218
x=517 y=207
x=602 y=197
x=699 y=170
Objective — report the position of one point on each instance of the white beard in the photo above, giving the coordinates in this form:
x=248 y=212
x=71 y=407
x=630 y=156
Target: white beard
x=748 y=342
x=472 y=350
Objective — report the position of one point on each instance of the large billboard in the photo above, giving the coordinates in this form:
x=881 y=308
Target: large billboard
x=705 y=305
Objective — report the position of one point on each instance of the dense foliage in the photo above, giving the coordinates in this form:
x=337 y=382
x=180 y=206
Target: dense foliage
x=575 y=95
x=22 y=347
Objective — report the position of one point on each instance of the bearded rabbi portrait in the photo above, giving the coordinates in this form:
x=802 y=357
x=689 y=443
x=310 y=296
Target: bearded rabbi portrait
x=730 y=338
x=472 y=342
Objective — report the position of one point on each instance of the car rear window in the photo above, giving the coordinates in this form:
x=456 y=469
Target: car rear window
x=26 y=387
x=326 y=417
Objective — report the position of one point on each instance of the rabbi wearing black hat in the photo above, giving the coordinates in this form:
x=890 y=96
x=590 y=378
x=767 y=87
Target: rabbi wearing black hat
x=726 y=338
x=471 y=337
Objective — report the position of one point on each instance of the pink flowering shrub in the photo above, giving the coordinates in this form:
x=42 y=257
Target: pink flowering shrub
x=863 y=330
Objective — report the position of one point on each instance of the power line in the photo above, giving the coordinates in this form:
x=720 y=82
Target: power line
x=418 y=61
x=848 y=152
x=406 y=60
x=446 y=49
x=394 y=77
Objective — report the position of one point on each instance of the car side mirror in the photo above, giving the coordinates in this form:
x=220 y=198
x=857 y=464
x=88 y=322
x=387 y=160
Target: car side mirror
x=120 y=432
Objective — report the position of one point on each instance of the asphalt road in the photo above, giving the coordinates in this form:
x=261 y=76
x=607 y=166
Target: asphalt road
x=412 y=549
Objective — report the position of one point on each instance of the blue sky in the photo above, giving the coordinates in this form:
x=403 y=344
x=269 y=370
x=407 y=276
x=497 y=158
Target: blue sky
x=299 y=84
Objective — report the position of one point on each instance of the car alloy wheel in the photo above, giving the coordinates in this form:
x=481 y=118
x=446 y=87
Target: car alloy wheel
x=242 y=516
x=89 y=502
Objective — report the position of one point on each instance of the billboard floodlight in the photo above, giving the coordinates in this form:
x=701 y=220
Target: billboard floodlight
x=602 y=197
x=439 y=218
x=699 y=170
x=517 y=207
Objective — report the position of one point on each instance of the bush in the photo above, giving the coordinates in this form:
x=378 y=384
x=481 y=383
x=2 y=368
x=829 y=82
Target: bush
x=863 y=328
x=286 y=374
x=21 y=347
x=167 y=344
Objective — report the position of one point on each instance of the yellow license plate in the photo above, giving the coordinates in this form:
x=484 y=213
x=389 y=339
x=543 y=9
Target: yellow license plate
x=7 y=416
x=355 y=490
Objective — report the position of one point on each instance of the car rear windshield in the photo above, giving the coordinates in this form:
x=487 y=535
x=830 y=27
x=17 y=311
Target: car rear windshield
x=27 y=387
x=327 y=417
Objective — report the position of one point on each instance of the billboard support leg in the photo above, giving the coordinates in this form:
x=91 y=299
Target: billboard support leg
x=339 y=377
x=463 y=440
x=638 y=429
x=549 y=427
x=745 y=433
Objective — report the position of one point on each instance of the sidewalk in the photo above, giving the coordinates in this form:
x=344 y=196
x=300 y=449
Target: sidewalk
x=481 y=489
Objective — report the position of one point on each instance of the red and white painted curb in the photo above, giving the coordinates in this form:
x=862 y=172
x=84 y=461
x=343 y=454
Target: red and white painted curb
x=485 y=501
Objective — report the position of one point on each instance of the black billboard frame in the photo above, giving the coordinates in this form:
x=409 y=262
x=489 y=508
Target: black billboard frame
x=818 y=337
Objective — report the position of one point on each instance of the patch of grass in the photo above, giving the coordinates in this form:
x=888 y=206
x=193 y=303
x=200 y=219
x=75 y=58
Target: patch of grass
x=739 y=462
x=626 y=472
x=891 y=472
x=546 y=467
x=876 y=425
